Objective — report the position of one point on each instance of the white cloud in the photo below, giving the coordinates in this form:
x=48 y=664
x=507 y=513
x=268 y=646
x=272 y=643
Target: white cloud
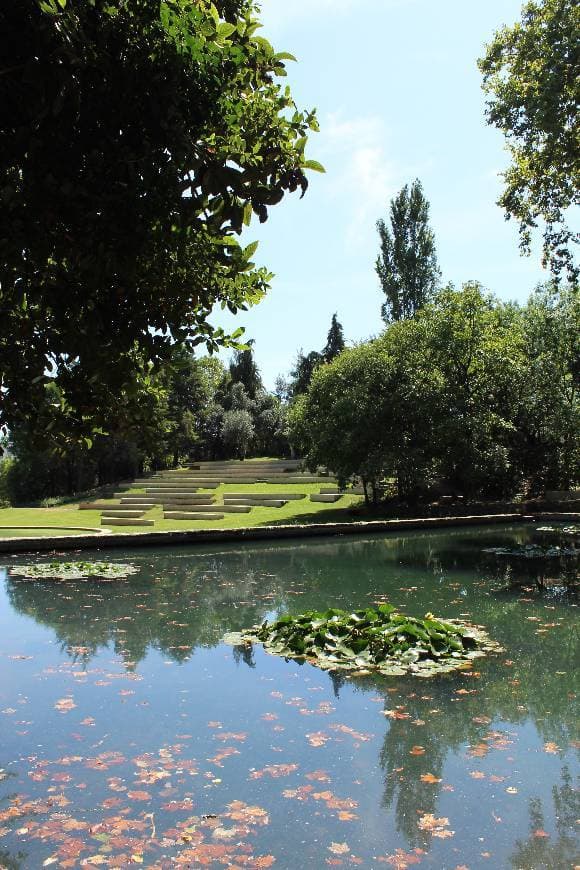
x=355 y=154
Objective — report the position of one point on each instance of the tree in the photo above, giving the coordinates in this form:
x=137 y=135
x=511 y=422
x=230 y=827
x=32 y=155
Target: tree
x=548 y=421
x=304 y=368
x=237 y=432
x=407 y=263
x=530 y=73
x=335 y=340
x=243 y=369
x=136 y=141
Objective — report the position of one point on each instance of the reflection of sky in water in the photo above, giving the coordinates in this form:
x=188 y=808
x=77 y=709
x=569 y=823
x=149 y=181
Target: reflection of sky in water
x=129 y=681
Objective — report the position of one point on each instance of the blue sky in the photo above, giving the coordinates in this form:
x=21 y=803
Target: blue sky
x=398 y=95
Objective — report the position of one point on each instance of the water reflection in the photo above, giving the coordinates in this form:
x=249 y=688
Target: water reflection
x=458 y=740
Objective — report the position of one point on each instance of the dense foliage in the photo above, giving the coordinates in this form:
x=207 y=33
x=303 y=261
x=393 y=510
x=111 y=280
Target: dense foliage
x=531 y=73
x=306 y=364
x=136 y=141
x=479 y=397
x=382 y=640
x=199 y=413
x=407 y=263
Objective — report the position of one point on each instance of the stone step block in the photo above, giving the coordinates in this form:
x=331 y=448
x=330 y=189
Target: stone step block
x=266 y=496
x=146 y=504
x=274 y=503
x=169 y=505
x=135 y=515
x=226 y=508
x=101 y=506
x=191 y=515
x=125 y=521
x=328 y=498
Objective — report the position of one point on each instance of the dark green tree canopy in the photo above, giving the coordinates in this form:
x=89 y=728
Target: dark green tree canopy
x=531 y=74
x=244 y=370
x=304 y=368
x=335 y=341
x=407 y=262
x=136 y=141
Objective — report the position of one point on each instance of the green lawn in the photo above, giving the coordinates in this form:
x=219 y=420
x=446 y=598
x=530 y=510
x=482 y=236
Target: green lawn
x=303 y=511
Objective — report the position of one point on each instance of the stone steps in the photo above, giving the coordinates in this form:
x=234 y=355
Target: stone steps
x=186 y=515
x=135 y=515
x=102 y=506
x=275 y=503
x=266 y=496
x=327 y=498
x=124 y=521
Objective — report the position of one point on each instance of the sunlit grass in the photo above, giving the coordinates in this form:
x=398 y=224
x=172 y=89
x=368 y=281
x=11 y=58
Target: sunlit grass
x=293 y=512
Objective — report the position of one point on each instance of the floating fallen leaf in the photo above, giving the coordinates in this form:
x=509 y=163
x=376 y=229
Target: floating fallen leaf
x=64 y=705
x=417 y=750
x=551 y=748
x=339 y=848
x=428 y=777
x=435 y=827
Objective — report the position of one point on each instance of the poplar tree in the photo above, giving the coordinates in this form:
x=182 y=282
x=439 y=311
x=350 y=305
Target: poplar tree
x=407 y=262
x=335 y=343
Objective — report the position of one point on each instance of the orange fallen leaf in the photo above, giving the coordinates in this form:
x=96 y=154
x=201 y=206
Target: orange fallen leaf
x=63 y=705
x=417 y=750
x=539 y=833
x=428 y=777
x=551 y=748
x=139 y=795
x=339 y=848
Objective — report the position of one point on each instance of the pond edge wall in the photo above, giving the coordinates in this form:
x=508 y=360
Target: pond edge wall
x=264 y=533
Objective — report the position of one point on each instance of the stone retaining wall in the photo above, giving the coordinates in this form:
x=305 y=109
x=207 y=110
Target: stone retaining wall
x=263 y=533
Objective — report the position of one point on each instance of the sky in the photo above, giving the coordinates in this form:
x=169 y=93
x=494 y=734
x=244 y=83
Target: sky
x=398 y=96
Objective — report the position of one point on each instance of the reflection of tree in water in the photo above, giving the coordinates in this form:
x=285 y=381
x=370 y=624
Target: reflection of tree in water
x=12 y=862
x=180 y=602
x=541 y=578
x=483 y=711
x=541 y=852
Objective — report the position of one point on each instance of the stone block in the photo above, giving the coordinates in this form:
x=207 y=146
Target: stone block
x=102 y=506
x=135 y=515
x=191 y=515
x=272 y=502
x=328 y=498
x=125 y=521
x=266 y=496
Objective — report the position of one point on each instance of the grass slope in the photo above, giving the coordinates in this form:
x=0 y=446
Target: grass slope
x=293 y=512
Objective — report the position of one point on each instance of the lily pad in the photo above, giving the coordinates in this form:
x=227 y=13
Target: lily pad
x=382 y=640
x=535 y=551
x=62 y=571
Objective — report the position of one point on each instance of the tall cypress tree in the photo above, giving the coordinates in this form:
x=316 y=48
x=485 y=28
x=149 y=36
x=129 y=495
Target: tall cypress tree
x=407 y=262
x=335 y=340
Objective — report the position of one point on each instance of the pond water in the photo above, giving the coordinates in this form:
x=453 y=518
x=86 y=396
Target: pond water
x=130 y=735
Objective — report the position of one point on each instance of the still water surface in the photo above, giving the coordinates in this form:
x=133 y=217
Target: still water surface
x=130 y=735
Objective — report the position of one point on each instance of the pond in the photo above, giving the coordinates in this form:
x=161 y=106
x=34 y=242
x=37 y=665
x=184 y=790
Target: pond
x=130 y=735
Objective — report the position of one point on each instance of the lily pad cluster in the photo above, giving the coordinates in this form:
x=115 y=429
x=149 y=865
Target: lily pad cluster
x=62 y=571
x=534 y=551
x=570 y=531
x=382 y=640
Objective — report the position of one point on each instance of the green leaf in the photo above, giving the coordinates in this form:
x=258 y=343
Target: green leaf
x=314 y=165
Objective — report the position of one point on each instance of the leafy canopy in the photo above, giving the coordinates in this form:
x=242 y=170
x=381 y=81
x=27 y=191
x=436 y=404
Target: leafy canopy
x=531 y=74
x=407 y=263
x=136 y=142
